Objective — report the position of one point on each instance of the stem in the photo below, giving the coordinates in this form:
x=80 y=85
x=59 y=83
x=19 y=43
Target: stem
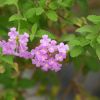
x=18 y=12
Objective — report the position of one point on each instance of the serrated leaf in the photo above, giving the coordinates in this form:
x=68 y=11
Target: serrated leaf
x=52 y=15
x=94 y=18
x=29 y=13
x=76 y=51
x=39 y=10
x=34 y=29
x=16 y=17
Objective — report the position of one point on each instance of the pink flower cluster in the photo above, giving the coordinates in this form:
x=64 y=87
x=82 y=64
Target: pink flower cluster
x=16 y=44
x=48 y=55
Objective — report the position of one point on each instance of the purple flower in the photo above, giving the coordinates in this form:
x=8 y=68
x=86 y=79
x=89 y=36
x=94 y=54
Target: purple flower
x=53 y=42
x=32 y=52
x=48 y=54
x=35 y=61
x=45 y=66
x=25 y=55
x=8 y=48
x=22 y=48
x=62 y=48
x=45 y=40
x=13 y=29
x=52 y=62
x=51 y=49
x=37 y=52
x=43 y=49
x=57 y=67
x=16 y=44
x=13 y=33
x=59 y=57
x=23 y=39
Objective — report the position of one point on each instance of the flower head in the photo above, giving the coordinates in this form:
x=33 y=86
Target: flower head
x=48 y=55
x=16 y=44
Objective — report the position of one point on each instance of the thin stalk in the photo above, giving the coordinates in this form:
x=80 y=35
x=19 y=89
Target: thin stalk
x=19 y=13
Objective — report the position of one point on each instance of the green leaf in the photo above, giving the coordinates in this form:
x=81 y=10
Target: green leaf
x=83 y=41
x=84 y=29
x=2 y=3
x=94 y=18
x=91 y=36
x=0 y=50
x=8 y=2
x=42 y=3
x=76 y=51
x=93 y=43
x=52 y=15
x=29 y=13
x=42 y=32
x=67 y=37
x=66 y=3
x=98 y=39
x=16 y=17
x=39 y=10
x=7 y=59
x=98 y=51
x=88 y=29
x=34 y=29
x=53 y=5
x=74 y=42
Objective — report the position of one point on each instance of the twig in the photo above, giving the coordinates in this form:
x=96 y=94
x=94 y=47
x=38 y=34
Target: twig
x=19 y=13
